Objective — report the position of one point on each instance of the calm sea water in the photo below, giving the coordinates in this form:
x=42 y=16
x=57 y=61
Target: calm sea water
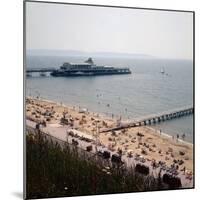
x=145 y=91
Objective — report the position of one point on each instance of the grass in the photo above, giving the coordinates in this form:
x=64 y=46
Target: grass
x=55 y=170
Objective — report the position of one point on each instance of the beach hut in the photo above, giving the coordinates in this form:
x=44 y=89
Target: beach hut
x=89 y=148
x=116 y=158
x=81 y=134
x=106 y=154
x=143 y=169
x=172 y=181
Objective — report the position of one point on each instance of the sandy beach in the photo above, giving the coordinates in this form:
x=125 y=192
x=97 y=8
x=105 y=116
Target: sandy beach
x=143 y=141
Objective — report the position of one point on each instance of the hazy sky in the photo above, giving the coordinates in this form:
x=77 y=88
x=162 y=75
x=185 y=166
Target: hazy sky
x=102 y=29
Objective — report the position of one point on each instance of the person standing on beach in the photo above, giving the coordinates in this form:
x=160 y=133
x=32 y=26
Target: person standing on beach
x=177 y=137
x=183 y=136
x=184 y=170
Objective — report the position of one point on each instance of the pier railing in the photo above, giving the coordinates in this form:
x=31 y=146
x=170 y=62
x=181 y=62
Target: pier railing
x=155 y=118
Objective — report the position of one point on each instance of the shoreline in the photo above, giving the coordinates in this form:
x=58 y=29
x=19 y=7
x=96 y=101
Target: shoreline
x=151 y=145
x=170 y=136
x=103 y=115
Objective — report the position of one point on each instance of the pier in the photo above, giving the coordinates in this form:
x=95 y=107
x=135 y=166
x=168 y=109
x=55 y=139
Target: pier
x=31 y=70
x=155 y=118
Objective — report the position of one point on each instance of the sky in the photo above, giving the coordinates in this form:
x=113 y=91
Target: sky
x=161 y=34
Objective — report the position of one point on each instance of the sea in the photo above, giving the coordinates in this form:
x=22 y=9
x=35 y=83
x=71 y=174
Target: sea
x=144 y=92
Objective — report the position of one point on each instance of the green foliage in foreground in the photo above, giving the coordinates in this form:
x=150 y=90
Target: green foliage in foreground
x=54 y=171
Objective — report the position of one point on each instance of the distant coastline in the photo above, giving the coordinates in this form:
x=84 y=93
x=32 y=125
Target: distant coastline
x=46 y=52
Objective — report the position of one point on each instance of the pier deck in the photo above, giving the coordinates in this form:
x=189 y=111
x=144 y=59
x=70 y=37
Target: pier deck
x=31 y=70
x=154 y=118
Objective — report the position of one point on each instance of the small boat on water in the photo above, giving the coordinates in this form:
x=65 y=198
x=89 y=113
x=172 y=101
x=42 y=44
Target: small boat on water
x=88 y=68
x=162 y=71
